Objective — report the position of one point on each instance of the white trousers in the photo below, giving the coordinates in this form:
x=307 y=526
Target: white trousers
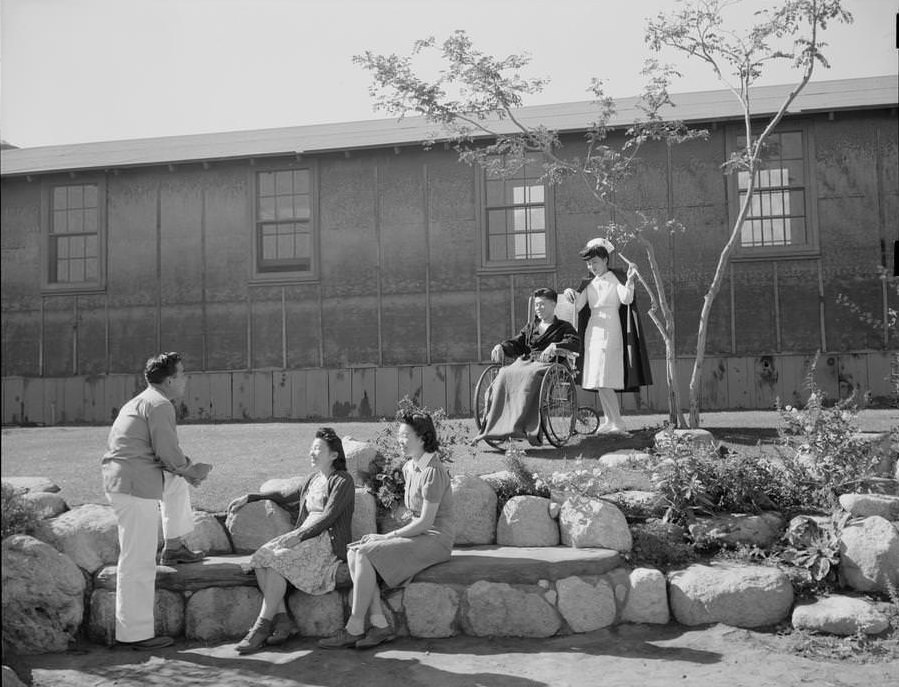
x=138 y=526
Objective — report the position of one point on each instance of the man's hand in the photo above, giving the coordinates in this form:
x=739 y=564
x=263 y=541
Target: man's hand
x=548 y=354
x=195 y=473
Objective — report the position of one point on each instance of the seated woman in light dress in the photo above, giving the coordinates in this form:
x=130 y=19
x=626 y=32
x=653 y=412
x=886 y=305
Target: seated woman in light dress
x=513 y=409
x=394 y=557
x=308 y=556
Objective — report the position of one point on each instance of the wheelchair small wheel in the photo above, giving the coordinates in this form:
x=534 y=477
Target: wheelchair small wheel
x=480 y=402
x=558 y=405
x=586 y=421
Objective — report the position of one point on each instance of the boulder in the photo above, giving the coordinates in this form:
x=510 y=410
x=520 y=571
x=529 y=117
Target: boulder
x=647 y=601
x=840 y=615
x=208 y=535
x=501 y=610
x=87 y=534
x=220 y=613
x=497 y=479
x=282 y=485
x=168 y=615
x=45 y=504
x=32 y=484
x=526 y=521
x=866 y=505
x=642 y=504
x=43 y=596
x=359 y=457
x=594 y=523
x=430 y=609
x=474 y=510
x=869 y=555
x=627 y=470
x=11 y=678
x=586 y=604
x=364 y=514
x=733 y=594
x=695 y=437
x=738 y=528
x=316 y=615
x=256 y=523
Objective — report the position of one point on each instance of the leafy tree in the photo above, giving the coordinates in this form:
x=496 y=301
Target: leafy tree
x=474 y=101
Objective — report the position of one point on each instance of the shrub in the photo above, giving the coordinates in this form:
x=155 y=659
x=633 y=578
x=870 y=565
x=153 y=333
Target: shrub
x=821 y=452
x=17 y=516
x=660 y=544
x=520 y=482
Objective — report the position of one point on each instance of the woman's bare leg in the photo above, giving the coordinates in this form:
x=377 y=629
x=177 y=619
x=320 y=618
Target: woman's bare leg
x=608 y=399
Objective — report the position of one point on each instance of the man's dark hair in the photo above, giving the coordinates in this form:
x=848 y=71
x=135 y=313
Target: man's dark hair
x=161 y=367
x=549 y=294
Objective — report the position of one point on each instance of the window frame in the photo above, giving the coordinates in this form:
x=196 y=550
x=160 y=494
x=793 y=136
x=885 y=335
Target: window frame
x=812 y=246
x=514 y=266
x=48 y=186
x=258 y=275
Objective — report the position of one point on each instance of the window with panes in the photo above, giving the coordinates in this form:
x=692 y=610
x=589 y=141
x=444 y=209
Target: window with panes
x=284 y=226
x=516 y=217
x=74 y=235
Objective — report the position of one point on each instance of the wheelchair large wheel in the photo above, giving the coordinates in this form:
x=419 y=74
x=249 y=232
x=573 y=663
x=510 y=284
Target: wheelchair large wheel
x=483 y=397
x=558 y=405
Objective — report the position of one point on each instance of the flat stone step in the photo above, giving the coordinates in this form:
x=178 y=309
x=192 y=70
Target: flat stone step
x=519 y=564
x=212 y=571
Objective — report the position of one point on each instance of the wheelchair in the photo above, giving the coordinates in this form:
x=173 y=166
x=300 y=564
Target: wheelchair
x=560 y=416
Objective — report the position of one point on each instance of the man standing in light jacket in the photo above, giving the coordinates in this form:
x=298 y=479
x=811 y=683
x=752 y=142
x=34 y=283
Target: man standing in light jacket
x=145 y=472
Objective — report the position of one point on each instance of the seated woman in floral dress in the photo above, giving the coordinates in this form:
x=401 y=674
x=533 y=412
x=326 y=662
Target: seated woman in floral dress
x=308 y=556
x=396 y=556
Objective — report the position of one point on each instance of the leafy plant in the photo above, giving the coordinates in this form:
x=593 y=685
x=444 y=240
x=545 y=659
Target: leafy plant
x=813 y=552
x=821 y=448
x=683 y=477
x=660 y=544
x=579 y=483
x=385 y=479
x=520 y=482
x=17 y=516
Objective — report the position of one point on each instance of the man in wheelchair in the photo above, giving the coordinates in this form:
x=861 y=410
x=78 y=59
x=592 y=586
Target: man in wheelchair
x=513 y=407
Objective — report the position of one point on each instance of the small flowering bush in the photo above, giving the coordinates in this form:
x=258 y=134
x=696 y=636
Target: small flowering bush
x=16 y=515
x=520 y=482
x=821 y=449
x=386 y=479
x=579 y=483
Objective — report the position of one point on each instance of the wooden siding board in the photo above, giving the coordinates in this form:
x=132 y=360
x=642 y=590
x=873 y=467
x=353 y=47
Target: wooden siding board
x=13 y=392
x=317 y=394
x=433 y=384
x=458 y=390
x=242 y=396
x=409 y=383
x=364 y=390
x=386 y=386
x=852 y=375
x=94 y=399
x=220 y=391
x=197 y=402
x=262 y=395
x=879 y=371
x=33 y=398
x=740 y=389
x=73 y=399
x=298 y=381
x=281 y=395
x=340 y=394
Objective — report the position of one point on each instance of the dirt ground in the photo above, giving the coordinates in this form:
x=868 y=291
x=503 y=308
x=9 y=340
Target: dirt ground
x=650 y=656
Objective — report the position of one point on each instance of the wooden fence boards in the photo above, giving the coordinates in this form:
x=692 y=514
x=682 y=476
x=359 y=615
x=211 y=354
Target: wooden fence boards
x=368 y=392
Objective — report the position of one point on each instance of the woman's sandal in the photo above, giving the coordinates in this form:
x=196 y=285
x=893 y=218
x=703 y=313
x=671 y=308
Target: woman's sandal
x=256 y=637
x=283 y=628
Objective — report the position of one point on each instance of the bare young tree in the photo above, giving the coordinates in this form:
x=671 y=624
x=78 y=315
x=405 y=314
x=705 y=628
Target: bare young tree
x=789 y=32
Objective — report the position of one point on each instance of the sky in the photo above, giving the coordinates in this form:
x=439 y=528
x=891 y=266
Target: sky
x=74 y=71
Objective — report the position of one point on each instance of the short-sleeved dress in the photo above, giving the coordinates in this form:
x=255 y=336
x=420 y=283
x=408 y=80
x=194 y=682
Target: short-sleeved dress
x=309 y=565
x=603 y=341
x=397 y=560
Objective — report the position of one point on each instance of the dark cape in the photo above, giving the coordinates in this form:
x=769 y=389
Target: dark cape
x=528 y=341
x=636 y=358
